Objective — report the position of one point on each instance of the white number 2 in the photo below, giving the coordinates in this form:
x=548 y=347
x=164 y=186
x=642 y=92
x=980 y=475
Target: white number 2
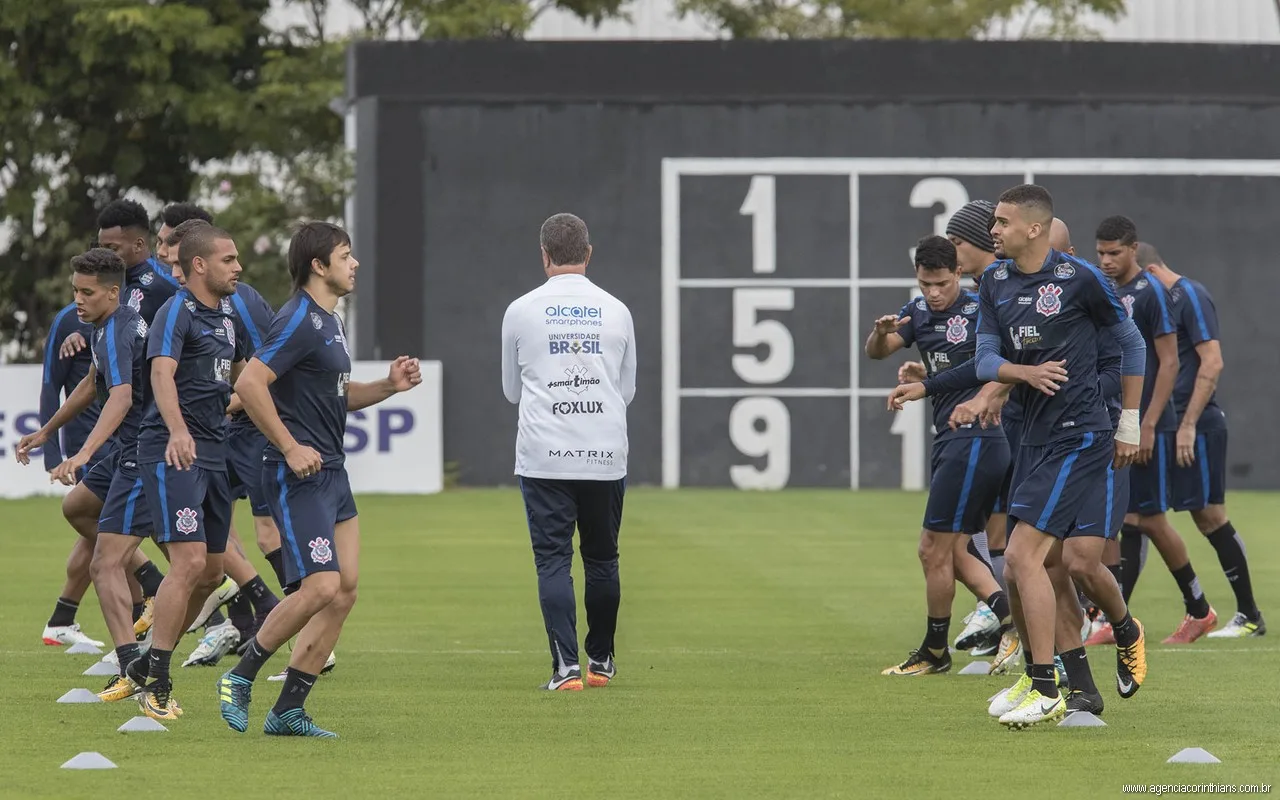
x=750 y=331
x=932 y=191
x=772 y=443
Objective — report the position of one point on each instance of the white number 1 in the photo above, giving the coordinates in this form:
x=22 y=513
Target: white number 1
x=760 y=205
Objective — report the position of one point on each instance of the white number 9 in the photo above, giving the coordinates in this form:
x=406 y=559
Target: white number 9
x=773 y=443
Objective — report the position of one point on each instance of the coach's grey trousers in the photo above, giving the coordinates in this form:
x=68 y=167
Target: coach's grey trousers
x=554 y=509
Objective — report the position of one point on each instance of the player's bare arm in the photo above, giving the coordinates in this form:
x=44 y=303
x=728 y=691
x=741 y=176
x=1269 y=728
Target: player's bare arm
x=884 y=340
x=1161 y=392
x=1207 y=375
x=253 y=388
x=180 y=453
x=404 y=374
x=119 y=401
x=80 y=398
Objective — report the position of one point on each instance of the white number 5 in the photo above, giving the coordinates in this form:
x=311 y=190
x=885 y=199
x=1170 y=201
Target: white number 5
x=750 y=331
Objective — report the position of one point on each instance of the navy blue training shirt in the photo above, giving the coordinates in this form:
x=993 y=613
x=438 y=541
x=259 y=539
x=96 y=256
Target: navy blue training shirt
x=119 y=347
x=148 y=286
x=205 y=342
x=1197 y=319
x=1057 y=313
x=307 y=351
x=1148 y=305
x=61 y=377
x=946 y=339
x=254 y=315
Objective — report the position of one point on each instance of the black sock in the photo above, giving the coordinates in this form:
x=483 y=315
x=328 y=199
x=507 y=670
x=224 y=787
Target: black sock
x=127 y=654
x=276 y=559
x=1130 y=558
x=1114 y=569
x=297 y=685
x=1026 y=667
x=1043 y=679
x=252 y=661
x=1079 y=677
x=158 y=665
x=1235 y=565
x=138 y=609
x=262 y=597
x=149 y=577
x=215 y=619
x=998 y=602
x=1192 y=597
x=64 y=613
x=1125 y=630
x=241 y=612
x=935 y=638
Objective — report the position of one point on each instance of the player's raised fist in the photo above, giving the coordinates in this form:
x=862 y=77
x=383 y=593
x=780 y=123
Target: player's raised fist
x=405 y=373
x=890 y=323
x=905 y=393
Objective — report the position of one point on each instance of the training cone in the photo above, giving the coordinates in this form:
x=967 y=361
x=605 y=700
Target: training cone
x=83 y=649
x=976 y=668
x=1193 y=755
x=79 y=696
x=141 y=725
x=89 y=761
x=100 y=668
x=1081 y=719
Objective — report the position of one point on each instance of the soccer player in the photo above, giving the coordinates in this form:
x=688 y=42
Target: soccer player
x=569 y=361
x=969 y=462
x=1043 y=311
x=118 y=376
x=194 y=352
x=297 y=389
x=171 y=217
x=250 y=598
x=1199 y=474
x=1147 y=302
x=61 y=377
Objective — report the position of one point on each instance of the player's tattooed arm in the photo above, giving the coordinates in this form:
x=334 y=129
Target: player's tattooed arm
x=1207 y=375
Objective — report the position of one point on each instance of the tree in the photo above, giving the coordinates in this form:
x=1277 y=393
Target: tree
x=99 y=98
x=896 y=19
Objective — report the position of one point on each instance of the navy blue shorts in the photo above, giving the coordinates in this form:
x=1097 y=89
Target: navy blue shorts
x=244 y=468
x=967 y=477
x=125 y=509
x=1104 y=519
x=1057 y=483
x=98 y=478
x=191 y=505
x=1204 y=483
x=306 y=511
x=1149 y=483
x=1012 y=435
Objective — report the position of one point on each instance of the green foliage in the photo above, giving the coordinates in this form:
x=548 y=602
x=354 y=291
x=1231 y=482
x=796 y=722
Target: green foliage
x=898 y=19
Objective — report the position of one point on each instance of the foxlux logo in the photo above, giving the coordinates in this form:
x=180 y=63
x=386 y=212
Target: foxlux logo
x=578 y=407
x=574 y=315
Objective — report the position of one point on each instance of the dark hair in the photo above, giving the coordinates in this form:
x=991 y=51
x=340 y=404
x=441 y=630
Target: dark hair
x=198 y=242
x=181 y=230
x=101 y=263
x=312 y=240
x=1029 y=195
x=1148 y=255
x=565 y=239
x=1117 y=229
x=175 y=214
x=124 y=214
x=936 y=252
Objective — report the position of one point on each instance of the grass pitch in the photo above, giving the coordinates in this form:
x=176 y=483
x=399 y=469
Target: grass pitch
x=753 y=630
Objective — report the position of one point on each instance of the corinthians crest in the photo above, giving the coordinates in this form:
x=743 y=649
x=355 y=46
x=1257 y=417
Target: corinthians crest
x=1049 y=302
x=957 y=329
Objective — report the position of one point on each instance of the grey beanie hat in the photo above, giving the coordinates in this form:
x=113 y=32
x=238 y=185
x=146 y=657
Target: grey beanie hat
x=972 y=223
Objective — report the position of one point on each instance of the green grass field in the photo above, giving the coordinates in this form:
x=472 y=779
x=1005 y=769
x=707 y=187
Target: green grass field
x=753 y=630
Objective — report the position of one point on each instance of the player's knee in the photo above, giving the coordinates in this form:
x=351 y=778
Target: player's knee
x=187 y=565
x=320 y=589
x=934 y=550
x=344 y=600
x=1210 y=519
x=1080 y=569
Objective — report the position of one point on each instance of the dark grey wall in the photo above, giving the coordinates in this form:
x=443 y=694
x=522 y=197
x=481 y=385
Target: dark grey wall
x=455 y=185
